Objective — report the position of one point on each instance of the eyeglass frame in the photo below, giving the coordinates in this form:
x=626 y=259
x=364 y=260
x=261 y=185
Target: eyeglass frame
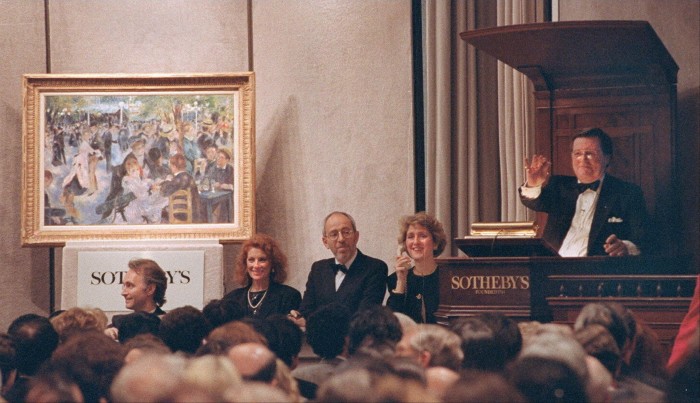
x=345 y=232
x=589 y=155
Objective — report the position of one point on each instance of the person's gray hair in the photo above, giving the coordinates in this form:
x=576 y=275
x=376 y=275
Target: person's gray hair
x=556 y=346
x=148 y=379
x=348 y=386
x=407 y=323
x=444 y=346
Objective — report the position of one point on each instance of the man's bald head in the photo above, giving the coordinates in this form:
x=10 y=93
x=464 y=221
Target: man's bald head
x=254 y=361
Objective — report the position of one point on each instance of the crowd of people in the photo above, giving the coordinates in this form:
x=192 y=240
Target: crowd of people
x=245 y=347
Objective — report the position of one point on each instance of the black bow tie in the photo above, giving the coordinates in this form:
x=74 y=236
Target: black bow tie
x=582 y=187
x=341 y=267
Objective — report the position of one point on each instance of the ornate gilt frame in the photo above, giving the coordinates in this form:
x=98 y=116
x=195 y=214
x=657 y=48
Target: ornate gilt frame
x=231 y=93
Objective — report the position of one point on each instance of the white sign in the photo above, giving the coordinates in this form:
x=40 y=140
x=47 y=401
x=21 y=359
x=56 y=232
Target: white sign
x=100 y=277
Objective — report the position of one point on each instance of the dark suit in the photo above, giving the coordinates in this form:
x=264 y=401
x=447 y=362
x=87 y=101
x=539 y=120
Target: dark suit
x=620 y=210
x=280 y=299
x=363 y=285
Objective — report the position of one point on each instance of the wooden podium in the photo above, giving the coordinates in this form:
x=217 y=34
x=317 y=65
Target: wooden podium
x=554 y=289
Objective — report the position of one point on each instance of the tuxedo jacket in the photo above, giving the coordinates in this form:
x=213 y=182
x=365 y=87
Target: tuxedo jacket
x=280 y=299
x=620 y=210
x=363 y=285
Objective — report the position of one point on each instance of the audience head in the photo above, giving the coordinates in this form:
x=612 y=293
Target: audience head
x=405 y=321
x=542 y=379
x=208 y=375
x=475 y=386
x=53 y=384
x=374 y=328
x=289 y=339
x=261 y=246
x=340 y=236
x=144 y=285
x=184 y=329
x=78 y=320
x=254 y=362
x=559 y=347
x=135 y=323
x=479 y=346
x=142 y=344
x=149 y=379
x=222 y=338
x=352 y=385
x=505 y=331
x=432 y=346
x=603 y=315
x=359 y=384
x=430 y=223
x=599 y=343
x=92 y=360
x=327 y=329
x=35 y=340
x=222 y=311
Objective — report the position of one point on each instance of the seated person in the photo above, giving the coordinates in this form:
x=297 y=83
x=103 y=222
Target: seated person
x=413 y=287
x=262 y=268
x=350 y=277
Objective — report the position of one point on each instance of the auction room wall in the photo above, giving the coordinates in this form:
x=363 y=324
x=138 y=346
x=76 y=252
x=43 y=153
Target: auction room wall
x=333 y=110
x=24 y=285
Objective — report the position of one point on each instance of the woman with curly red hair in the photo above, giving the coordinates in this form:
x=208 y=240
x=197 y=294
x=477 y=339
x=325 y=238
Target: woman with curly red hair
x=261 y=267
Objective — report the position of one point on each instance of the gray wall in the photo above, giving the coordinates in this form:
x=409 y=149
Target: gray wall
x=333 y=112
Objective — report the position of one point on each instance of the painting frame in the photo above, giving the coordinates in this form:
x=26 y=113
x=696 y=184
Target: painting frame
x=71 y=110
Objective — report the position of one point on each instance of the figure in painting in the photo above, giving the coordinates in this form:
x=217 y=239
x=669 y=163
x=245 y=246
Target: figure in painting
x=147 y=204
x=221 y=178
x=82 y=178
x=180 y=180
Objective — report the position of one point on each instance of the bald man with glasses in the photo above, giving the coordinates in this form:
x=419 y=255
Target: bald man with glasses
x=350 y=278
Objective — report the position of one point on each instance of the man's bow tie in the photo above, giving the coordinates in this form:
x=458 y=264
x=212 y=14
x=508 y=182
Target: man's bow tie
x=340 y=267
x=582 y=187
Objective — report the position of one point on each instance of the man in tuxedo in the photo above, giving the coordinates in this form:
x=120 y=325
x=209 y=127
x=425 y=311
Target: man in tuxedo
x=592 y=213
x=350 y=278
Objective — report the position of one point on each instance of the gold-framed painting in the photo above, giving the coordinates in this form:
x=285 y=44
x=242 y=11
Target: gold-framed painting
x=149 y=156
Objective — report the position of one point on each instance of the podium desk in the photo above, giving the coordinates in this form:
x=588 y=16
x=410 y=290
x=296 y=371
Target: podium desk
x=658 y=289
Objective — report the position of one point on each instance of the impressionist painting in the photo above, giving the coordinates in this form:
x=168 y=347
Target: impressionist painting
x=138 y=162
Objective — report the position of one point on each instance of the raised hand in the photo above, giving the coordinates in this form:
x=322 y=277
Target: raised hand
x=537 y=170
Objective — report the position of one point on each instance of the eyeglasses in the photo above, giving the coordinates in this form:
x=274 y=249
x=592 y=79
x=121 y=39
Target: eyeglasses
x=589 y=155
x=346 y=233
